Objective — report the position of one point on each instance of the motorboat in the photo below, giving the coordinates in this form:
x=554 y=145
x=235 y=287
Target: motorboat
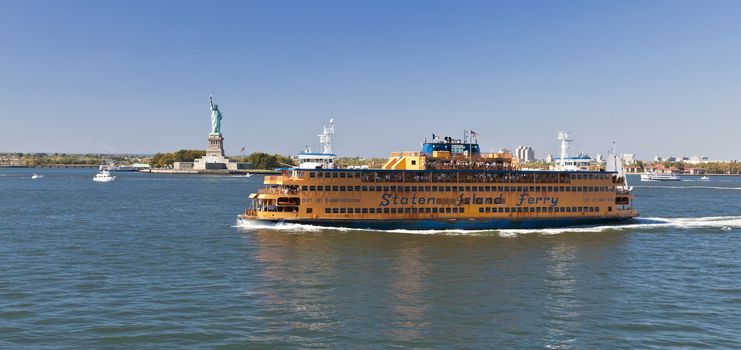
x=247 y=175
x=704 y=178
x=36 y=176
x=103 y=176
x=659 y=177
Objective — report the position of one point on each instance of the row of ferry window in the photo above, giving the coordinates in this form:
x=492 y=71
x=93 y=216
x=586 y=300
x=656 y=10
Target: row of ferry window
x=540 y=210
x=371 y=176
x=460 y=188
x=434 y=210
x=452 y=210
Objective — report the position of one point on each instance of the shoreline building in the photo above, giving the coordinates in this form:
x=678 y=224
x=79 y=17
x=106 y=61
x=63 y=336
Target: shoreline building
x=525 y=154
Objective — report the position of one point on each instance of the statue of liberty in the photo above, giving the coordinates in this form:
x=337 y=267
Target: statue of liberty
x=215 y=117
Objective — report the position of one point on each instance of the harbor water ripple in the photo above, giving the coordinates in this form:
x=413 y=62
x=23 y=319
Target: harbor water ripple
x=156 y=261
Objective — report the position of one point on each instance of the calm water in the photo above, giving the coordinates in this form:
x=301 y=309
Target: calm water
x=156 y=262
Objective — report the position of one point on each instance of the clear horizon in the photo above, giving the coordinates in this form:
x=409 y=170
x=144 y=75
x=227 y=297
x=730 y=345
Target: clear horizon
x=659 y=78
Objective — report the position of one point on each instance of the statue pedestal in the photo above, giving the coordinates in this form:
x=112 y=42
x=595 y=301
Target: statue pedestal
x=215 y=147
x=214 y=158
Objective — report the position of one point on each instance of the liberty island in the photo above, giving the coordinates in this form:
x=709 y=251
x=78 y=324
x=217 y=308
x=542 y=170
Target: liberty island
x=215 y=161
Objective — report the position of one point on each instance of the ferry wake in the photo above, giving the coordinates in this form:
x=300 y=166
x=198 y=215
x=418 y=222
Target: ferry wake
x=449 y=184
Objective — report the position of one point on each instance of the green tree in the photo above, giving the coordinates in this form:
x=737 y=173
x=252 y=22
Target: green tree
x=167 y=159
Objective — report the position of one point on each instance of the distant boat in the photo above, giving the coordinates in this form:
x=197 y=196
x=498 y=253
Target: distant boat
x=704 y=178
x=113 y=167
x=36 y=176
x=247 y=175
x=659 y=177
x=103 y=176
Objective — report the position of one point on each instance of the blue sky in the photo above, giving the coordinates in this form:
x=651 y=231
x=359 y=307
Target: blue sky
x=658 y=77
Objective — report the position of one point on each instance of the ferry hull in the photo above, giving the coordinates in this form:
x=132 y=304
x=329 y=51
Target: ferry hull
x=457 y=224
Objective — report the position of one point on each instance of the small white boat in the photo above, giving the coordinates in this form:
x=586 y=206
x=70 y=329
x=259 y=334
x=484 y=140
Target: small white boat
x=659 y=177
x=704 y=178
x=103 y=176
x=247 y=175
x=36 y=176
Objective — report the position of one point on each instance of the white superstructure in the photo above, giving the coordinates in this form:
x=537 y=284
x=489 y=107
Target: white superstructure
x=580 y=162
x=315 y=160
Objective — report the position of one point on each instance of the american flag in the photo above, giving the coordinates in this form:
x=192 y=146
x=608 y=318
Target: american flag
x=242 y=149
x=474 y=134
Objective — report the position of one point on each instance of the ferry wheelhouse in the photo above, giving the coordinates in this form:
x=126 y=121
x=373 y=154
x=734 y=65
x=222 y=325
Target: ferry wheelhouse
x=449 y=184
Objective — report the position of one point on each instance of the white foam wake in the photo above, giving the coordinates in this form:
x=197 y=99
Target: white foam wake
x=708 y=222
x=725 y=223
x=691 y=187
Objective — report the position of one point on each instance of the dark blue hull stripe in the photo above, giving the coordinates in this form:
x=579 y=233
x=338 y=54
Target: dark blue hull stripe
x=458 y=224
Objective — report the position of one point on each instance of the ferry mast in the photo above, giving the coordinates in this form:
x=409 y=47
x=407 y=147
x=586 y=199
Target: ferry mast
x=563 y=136
x=325 y=138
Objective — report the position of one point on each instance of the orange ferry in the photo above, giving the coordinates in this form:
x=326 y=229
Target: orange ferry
x=449 y=184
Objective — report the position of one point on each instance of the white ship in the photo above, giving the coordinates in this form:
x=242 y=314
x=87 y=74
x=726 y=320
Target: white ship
x=659 y=177
x=103 y=176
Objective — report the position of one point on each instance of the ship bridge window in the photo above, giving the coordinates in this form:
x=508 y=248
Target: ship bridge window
x=621 y=200
x=289 y=201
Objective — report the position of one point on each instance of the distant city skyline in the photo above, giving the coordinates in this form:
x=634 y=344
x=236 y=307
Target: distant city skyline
x=659 y=78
